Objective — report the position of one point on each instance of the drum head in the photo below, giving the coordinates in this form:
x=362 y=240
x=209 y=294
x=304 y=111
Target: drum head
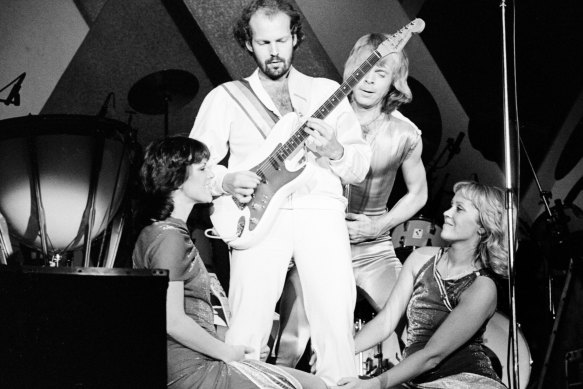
x=54 y=169
x=496 y=341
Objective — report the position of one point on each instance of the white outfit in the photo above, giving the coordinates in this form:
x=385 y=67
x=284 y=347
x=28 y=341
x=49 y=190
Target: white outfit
x=310 y=226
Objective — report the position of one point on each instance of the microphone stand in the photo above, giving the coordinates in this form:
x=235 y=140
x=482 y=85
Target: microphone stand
x=514 y=383
x=545 y=196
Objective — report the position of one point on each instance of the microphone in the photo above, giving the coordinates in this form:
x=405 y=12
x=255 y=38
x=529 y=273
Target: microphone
x=455 y=147
x=14 y=95
x=103 y=111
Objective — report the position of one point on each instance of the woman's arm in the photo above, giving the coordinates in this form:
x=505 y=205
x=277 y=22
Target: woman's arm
x=186 y=331
x=387 y=319
x=476 y=305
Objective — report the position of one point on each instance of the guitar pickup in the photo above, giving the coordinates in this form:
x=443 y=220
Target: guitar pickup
x=262 y=176
x=274 y=163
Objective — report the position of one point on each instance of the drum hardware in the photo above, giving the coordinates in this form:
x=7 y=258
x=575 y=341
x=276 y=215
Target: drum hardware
x=366 y=359
x=414 y=233
x=55 y=260
x=573 y=368
x=558 y=317
x=36 y=195
x=103 y=110
x=156 y=93
x=5 y=244
x=417 y=232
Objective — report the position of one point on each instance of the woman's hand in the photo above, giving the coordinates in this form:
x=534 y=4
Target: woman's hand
x=361 y=227
x=357 y=383
x=237 y=353
x=264 y=353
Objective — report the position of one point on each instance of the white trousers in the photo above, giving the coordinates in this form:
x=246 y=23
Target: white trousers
x=318 y=242
x=376 y=269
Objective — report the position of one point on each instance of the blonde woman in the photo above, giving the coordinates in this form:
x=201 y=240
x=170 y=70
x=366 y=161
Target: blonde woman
x=448 y=294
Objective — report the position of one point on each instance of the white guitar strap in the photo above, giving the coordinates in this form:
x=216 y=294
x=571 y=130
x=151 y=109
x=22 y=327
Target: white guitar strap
x=256 y=111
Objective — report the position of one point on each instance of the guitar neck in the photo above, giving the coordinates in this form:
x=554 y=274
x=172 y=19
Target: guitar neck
x=299 y=136
x=392 y=44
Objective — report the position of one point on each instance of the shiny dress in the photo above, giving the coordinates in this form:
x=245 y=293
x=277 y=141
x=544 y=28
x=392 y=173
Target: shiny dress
x=167 y=245
x=467 y=366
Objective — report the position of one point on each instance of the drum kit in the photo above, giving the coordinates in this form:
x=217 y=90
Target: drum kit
x=64 y=178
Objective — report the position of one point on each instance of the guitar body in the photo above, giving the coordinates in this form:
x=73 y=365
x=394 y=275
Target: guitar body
x=241 y=226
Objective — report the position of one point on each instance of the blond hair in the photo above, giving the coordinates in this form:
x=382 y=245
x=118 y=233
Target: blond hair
x=399 y=91
x=492 y=248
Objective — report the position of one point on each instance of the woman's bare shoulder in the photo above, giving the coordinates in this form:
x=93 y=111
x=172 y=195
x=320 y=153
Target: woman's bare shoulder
x=419 y=257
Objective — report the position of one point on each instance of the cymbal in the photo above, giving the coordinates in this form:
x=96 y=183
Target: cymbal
x=150 y=94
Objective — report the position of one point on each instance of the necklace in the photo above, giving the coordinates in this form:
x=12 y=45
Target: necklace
x=464 y=271
x=367 y=126
x=370 y=130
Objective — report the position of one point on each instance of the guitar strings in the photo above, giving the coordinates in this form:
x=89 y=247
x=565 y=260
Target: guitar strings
x=286 y=149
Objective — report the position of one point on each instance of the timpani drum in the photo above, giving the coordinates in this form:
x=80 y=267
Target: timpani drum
x=59 y=172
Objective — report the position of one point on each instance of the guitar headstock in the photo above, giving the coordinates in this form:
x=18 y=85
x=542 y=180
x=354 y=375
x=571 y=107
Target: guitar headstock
x=398 y=40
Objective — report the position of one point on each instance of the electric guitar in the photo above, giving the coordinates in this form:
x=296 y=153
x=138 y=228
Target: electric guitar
x=243 y=225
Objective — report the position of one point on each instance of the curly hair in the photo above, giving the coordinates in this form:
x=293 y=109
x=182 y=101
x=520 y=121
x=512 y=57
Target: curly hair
x=399 y=92
x=242 y=31
x=164 y=169
x=492 y=248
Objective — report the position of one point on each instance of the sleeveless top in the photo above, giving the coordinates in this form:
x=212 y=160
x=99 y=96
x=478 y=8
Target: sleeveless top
x=391 y=143
x=426 y=311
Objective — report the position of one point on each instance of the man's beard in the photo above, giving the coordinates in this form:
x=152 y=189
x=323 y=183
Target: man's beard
x=282 y=69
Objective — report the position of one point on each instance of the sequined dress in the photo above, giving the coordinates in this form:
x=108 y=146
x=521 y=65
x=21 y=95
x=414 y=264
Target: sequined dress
x=427 y=309
x=167 y=245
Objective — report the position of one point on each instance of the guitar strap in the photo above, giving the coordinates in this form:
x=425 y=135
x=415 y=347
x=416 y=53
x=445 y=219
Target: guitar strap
x=262 y=117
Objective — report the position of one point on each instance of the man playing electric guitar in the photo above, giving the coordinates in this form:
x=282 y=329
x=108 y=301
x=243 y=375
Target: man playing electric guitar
x=310 y=223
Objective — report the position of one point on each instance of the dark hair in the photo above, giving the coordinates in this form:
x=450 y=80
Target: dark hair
x=399 y=92
x=164 y=169
x=242 y=31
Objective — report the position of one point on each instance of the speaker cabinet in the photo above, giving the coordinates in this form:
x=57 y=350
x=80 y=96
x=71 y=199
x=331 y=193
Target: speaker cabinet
x=82 y=328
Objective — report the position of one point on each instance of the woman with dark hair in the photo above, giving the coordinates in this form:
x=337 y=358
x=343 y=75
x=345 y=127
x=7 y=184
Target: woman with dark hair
x=174 y=178
x=448 y=294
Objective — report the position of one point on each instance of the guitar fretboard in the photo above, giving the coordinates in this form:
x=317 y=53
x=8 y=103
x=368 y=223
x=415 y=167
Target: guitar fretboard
x=296 y=140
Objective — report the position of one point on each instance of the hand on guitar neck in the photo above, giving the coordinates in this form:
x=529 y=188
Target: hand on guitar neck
x=241 y=185
x=323 y=139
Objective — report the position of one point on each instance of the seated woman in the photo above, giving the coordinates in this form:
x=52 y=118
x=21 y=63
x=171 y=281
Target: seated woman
x=174 y=178
x=449 y=294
